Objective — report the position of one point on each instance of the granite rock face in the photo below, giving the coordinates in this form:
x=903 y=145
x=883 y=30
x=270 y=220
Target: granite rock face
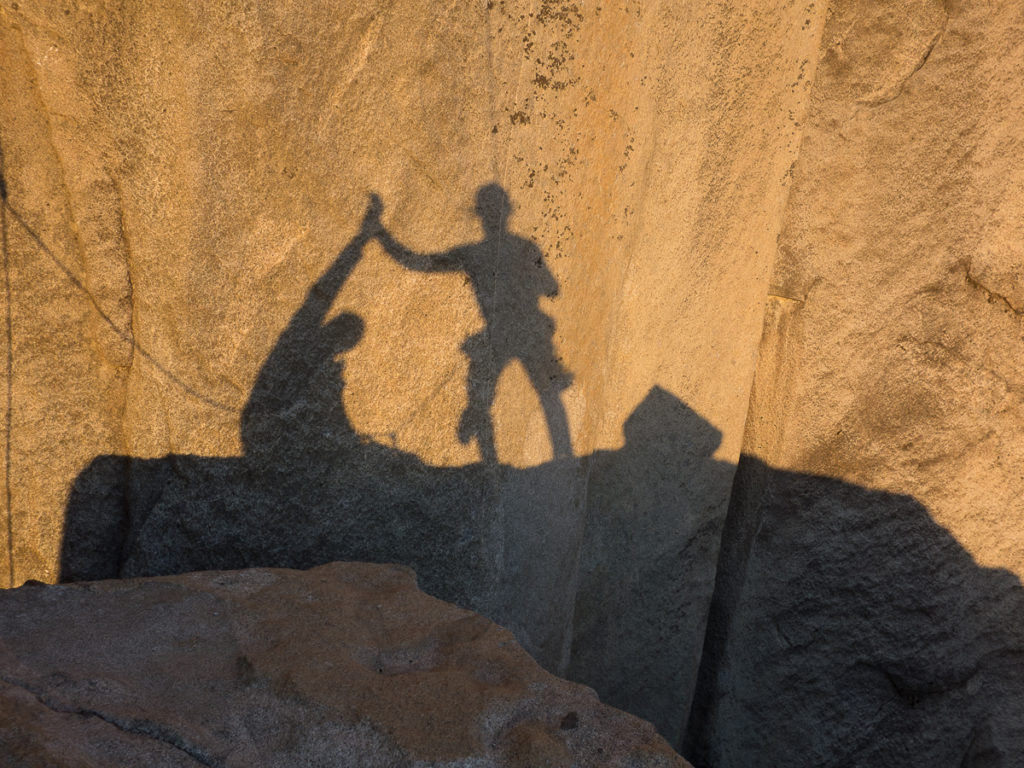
x=345 y=664
x=682 y=339
x=870 y=610
x=178 y=179
x=561 y=256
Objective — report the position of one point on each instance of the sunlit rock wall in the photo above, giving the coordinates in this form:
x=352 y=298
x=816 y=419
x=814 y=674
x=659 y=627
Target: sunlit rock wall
x=219 y=352
x=878 y=621
x=179 y=176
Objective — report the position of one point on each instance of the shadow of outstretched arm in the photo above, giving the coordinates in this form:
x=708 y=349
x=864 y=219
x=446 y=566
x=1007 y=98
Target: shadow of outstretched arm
x=446 y=261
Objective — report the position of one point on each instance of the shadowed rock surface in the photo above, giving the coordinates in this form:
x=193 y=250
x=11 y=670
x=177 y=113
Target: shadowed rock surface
x=505 y=541
x=544 y=576
x=345 y=664
x=763 y=261
x=881 y=639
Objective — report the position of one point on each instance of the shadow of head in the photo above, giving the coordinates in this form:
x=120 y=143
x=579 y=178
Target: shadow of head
x=494 y=207
x=343 y=332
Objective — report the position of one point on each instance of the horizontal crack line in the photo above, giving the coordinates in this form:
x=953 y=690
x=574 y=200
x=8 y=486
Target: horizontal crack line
x=134 y=726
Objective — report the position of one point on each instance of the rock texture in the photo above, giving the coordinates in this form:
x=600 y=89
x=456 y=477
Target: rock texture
x=848 y=628
x=752 y=348
x=178 y=179
x=884 y=626
x=345 y=664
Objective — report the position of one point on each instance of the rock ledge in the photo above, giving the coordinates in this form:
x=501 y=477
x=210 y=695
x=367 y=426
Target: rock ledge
x=345 y=664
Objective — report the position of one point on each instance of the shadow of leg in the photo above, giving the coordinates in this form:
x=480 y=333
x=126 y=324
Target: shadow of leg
x=481 y=383
x=558 y=421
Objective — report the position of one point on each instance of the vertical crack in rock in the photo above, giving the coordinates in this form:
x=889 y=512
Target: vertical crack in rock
x=742 y=523
x=129 y=331
x=893 y=92
x=135 y=726
x=9 y=369
x=743 y=519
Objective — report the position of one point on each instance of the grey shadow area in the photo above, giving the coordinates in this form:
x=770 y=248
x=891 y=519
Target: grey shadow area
x=623 y=571
x=654 y=518
x=799 y=620
x=848 y=628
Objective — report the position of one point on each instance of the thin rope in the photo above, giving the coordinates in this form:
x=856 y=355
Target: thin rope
x=110 y=322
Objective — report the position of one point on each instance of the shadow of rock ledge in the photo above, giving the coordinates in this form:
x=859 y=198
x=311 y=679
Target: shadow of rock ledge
x=627 y=562
x=514 y=561
x=537 y=549
x=849 y=629
x=846 y=627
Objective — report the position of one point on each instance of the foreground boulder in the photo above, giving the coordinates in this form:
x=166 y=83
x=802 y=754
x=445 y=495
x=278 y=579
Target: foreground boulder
x=345 y=664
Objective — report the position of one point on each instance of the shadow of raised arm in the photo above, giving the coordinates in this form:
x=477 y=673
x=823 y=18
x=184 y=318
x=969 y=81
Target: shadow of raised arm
x=446 y=261
x=304 y=346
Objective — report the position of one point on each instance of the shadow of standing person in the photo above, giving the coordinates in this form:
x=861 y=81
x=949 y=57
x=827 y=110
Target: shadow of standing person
x=509 y=276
